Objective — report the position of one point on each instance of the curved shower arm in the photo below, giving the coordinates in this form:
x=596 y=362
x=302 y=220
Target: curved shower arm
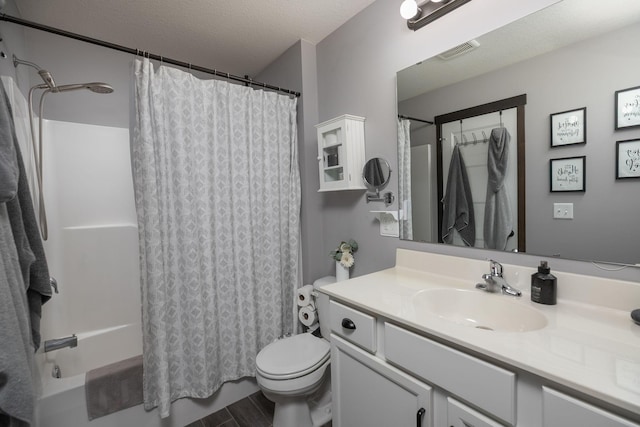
x=17 y=61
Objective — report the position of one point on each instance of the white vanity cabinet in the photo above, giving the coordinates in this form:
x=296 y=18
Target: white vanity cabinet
x=455 y=372
x=385 y=375
x=341 y=153
x=367 y=392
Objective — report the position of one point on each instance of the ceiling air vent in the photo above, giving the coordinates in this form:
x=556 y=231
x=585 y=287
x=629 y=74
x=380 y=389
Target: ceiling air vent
x=459 y=50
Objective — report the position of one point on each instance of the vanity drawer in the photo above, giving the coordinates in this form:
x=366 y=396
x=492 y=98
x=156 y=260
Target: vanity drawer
x=353 y=325
x=476 y=381
x=561 y=410
x=459 y=415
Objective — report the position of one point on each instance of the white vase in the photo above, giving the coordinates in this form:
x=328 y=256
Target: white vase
x=342 y=273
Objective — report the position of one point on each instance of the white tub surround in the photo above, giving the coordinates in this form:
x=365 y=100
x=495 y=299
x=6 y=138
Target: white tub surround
x=589 y=347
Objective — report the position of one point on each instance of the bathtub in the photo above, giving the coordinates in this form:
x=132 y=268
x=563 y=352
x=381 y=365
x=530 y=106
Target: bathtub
x=92 y=251
x=62 y=402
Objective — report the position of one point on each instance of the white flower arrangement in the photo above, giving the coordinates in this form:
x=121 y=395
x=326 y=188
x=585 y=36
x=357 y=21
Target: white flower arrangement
x=344 y=253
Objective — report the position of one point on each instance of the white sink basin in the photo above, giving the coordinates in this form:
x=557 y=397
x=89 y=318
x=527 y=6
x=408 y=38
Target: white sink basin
x=479 y=309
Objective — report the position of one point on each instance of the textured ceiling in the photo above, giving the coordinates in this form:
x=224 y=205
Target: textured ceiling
x=236 y=36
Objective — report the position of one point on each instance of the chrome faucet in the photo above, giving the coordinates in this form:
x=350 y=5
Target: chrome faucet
x=494 y=282
x=55 y=344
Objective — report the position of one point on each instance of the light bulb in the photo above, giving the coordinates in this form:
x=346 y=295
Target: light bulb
x=408 y=9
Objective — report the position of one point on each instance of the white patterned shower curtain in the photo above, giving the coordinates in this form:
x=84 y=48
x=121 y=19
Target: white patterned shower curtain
x=404 y=180
x=217 y=191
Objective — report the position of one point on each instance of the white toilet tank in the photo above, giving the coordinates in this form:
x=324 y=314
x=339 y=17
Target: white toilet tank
x=322 y=305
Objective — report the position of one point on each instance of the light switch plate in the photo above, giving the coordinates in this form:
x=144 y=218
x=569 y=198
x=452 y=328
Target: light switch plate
x=563 y=210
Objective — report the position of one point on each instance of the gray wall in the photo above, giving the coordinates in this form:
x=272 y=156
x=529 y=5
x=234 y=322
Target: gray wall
x=584 y=79
x=13 y=43
x=357 y=65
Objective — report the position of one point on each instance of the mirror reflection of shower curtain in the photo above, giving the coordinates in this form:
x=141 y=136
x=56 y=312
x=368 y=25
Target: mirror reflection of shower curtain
x=217 y=190
x=404 y=179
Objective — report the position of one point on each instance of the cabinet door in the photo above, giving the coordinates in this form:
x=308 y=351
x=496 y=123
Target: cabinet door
x=367 y=392
x=560 y=410
x=341 y=153
x=459 y=415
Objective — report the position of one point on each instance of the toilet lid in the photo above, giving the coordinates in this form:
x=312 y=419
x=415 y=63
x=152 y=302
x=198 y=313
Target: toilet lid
x=293 y=356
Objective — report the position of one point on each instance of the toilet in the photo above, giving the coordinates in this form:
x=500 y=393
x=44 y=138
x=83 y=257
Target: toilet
x=294 y=372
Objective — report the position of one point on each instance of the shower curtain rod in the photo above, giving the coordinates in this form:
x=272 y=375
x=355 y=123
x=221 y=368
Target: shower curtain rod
x=400 y=116
x=246 y=80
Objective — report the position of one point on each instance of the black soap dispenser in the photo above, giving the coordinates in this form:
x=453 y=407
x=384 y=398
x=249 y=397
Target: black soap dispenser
x=543 y=285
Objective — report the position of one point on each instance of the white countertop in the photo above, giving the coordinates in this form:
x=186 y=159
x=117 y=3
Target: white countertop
x=589 y=344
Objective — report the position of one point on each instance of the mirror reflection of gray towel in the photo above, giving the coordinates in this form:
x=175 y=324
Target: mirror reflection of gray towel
x=458 y=203
x=498 y=221
x=373 y=173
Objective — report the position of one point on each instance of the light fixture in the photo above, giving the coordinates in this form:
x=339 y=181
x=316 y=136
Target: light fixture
x=408 y=9
x=418 y=16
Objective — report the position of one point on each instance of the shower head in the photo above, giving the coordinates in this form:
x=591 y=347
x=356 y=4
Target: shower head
x=48 y=78
x=97 y=87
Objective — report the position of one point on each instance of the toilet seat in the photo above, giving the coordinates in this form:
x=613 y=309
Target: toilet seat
x=292 y=357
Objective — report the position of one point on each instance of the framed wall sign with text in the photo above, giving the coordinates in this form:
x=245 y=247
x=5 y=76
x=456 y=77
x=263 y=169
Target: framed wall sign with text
x=628 y=108
x=569 y=127
x=628 y=159
x=568 y=174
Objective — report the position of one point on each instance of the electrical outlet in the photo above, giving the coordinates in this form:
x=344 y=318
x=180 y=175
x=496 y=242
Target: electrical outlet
x=563 y=210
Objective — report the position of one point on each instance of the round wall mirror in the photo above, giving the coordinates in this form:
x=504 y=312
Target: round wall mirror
x=376 y=173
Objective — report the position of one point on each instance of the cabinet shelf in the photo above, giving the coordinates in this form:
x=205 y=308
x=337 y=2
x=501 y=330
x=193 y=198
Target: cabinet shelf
x=328 y=147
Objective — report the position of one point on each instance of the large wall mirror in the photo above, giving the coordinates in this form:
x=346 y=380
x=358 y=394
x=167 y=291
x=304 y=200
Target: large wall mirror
x=571 y=56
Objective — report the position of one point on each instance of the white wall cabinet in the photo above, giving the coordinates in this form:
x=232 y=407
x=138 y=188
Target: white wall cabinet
x=341 y=153
x=383 y=375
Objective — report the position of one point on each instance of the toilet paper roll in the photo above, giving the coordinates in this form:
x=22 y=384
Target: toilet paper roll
x=304 y=295
x=307 y=316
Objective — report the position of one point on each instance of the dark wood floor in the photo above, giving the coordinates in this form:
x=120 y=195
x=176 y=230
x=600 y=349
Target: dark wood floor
x=252 y=411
